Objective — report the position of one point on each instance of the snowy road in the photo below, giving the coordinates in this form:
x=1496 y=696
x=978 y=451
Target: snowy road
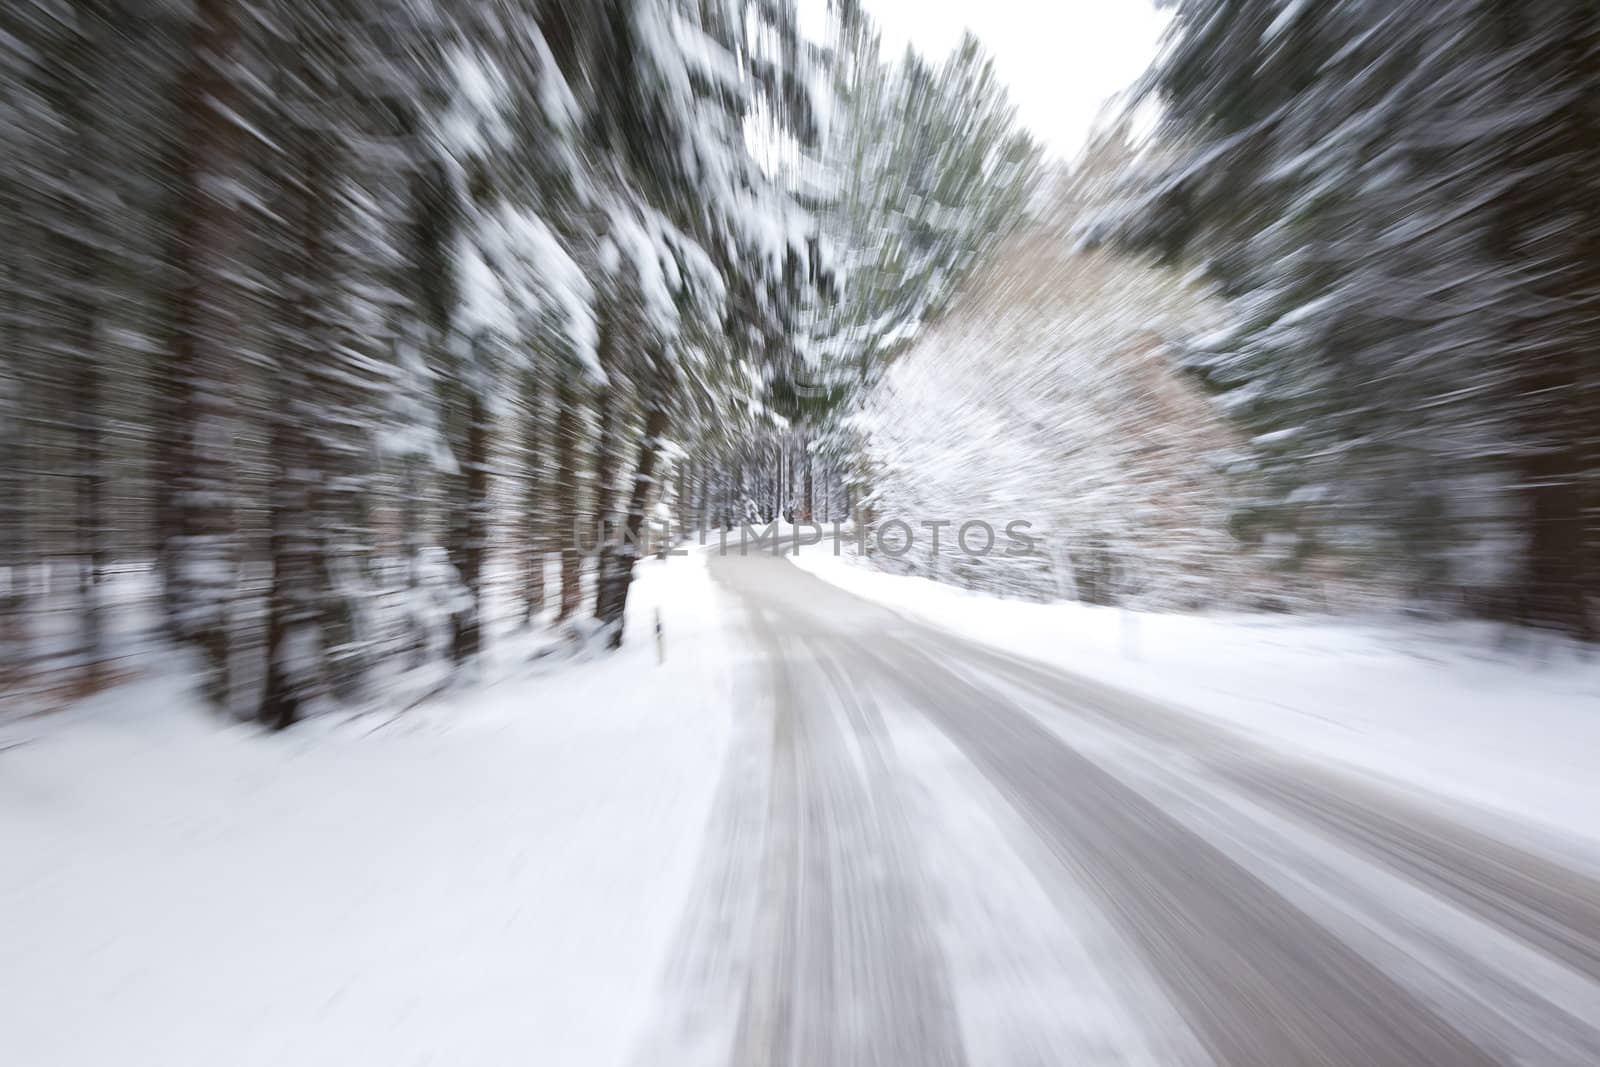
x=924 y=851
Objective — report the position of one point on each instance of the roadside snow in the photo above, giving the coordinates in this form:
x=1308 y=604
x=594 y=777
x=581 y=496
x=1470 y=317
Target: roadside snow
x=1442 y=708
x=489 y=880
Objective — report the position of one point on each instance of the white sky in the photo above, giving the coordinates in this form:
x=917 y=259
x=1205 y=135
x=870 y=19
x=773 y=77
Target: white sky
x=1060 y=59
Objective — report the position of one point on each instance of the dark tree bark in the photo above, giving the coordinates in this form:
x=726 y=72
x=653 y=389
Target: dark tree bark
x=469 y=524
x=612 y=599
x=1553 y=345
x=411 y=519
x=1553 y=593
x=459 y=421
x=608 y=448
x=195 y=521
x=685 y=501
x=702 y=496
x=293 y=619
x=728 y=499
x=91 y=476
x=779 y=496
x=806 y=516
x=295 y=652
x=82 y=316
x=71 y=53
x=567 y=490
x=16 y=553
x=534 y=524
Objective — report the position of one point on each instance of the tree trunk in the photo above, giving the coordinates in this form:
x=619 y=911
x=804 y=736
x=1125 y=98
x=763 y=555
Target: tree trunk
x=411 y=518
x=1552 y=347
x=71 y=55
x=702 y=493
x=81 y=340
x=1552 y=594
x=567 y=505
x=89 y=521
x=196 y=520
x=808 y=489
x=533 y=463
x=612 y=600
x=293 y=619
x=685 y=501
x=470 y=528
x=608 y=449
x=779 y=485
x=16 y=553
x=295 y=645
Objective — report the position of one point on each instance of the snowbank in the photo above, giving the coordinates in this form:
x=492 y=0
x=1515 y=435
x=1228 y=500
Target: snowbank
x=1442 y=708
x=492 y=880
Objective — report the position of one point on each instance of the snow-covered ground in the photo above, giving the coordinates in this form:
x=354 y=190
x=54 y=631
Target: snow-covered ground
x=595 y=865
x=1448 y=709
x=491 y=878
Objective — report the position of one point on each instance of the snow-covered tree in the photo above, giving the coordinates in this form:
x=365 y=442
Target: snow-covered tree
x=1050 y=394
x=1396 y=198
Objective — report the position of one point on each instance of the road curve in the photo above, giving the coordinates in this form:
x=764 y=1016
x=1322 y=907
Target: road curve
x=928 y=852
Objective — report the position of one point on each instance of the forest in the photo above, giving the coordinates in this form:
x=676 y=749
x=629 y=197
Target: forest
x=338 y=337
x=332 y=315
x=799 y=533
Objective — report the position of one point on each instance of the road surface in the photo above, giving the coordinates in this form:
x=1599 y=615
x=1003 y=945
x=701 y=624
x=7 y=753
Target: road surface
x=926 y=852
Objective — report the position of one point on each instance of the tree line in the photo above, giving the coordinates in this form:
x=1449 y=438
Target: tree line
x=328 y=326
x=291 y=282
x=1400 y=203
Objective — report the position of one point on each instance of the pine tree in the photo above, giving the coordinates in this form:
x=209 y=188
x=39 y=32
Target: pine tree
x=1373 y=186
x=196 y=520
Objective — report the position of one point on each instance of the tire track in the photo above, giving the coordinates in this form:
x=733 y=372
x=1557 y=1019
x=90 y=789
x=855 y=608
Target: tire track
x=1261 y=983
x=1263 y=973
x=705 y=978
x=1550 y=907
x=845 y=967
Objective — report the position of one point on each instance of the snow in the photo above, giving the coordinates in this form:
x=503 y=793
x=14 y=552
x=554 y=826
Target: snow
x=555 y=280
x=475 y=118
x=1291 y=11
x=708 y=58
x=484 y=306
x=654 y=272
x=1442 y=708
x=1070 y=984
x=556 y=99
x=1055 y=372
x=490 y=879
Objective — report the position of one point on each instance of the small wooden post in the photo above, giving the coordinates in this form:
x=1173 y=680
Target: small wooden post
x=661 y=640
